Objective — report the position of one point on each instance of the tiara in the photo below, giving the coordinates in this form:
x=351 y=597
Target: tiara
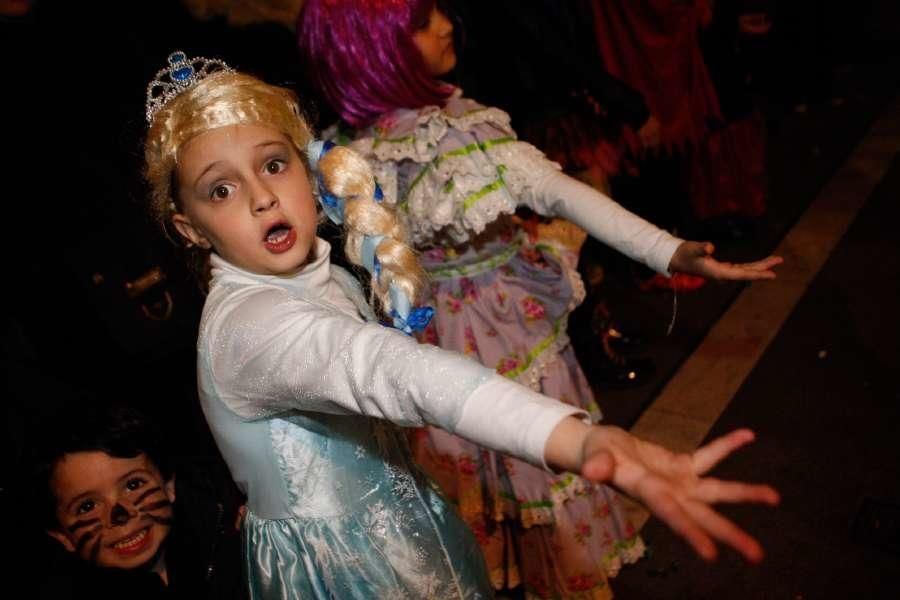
x=181 y=74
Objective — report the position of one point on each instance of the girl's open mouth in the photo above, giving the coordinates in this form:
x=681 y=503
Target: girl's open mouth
x=280 y=238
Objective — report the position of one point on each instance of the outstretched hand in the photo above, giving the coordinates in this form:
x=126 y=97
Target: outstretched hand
x=696 y=258
x=672 y=485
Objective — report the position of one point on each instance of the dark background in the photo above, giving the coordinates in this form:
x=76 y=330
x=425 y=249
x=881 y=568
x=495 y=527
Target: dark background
x=75 y=76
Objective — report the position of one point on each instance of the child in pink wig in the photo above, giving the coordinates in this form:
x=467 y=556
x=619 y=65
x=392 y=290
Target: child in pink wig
x=457 y=173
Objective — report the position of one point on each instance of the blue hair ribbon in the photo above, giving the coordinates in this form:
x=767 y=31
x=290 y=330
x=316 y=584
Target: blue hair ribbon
x=369 y=260
x=332 y=206
x=405 y=318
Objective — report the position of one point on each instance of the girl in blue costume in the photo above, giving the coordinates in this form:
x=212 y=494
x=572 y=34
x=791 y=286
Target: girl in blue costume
x=457 y=172
x=303 y=389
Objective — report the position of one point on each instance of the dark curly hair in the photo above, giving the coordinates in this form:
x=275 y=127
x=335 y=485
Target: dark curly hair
x=118 y=430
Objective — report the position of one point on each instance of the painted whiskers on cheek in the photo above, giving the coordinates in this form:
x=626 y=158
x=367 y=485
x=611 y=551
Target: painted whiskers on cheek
x=159 y=510
x=92 y=534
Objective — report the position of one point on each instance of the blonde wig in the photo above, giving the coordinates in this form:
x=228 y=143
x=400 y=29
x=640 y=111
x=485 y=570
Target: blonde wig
x=230 y=98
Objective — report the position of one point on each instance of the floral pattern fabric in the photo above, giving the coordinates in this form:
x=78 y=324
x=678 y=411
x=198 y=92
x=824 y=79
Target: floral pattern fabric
x=457 y=174
x=558 y=535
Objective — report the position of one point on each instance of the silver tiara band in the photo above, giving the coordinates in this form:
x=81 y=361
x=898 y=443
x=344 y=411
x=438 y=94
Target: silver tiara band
x=181 y=74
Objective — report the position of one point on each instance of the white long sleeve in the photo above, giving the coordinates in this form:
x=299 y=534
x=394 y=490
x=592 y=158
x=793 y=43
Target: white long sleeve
x=502 y=403
x=552 y=193
x=264 y=352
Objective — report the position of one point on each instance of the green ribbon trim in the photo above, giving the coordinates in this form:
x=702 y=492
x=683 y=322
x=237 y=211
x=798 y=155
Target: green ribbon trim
x=463 y=151
x=400 y=140
x=472 y=111
x=532 y=504
x=473 y=198
x=620 y=546
x=535 y=352
x=479 y=267
x=470 y=148
x=563 y=484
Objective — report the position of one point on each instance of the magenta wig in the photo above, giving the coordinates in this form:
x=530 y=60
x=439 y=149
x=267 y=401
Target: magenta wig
x=361 y=55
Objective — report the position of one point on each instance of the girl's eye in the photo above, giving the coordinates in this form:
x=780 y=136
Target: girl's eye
x=134 y=484
x=422 y=23
x=220 y=192
x=85 y=507
x=275 y=166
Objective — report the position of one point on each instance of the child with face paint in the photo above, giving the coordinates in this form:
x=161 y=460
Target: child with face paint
x=303 y=388
x=457 y=173
x=109 y=498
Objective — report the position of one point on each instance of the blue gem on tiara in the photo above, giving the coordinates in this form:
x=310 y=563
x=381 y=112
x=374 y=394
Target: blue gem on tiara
x=181 y=74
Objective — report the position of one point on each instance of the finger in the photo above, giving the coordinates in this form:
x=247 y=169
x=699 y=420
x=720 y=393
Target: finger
x=764 y=264
x=748 y=275
x=670 y=512
x=725 y=531
x=599 y=467
x=739 y=272
x=701 y=249
x=711 y=490
x=709 y=455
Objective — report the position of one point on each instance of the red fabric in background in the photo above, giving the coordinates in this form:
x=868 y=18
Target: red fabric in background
x=727 y=173
x=652 y=46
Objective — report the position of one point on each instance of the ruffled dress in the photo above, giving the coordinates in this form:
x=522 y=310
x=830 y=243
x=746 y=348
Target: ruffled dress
x=457 y=174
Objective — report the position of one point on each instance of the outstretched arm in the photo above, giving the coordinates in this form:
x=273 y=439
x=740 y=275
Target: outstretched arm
x=553 y=193
x=671 y=485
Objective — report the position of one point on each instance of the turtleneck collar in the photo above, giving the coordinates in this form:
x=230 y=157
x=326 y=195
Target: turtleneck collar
x=311 y=280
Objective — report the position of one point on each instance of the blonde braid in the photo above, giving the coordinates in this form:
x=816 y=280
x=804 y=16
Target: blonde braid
x=347 y=175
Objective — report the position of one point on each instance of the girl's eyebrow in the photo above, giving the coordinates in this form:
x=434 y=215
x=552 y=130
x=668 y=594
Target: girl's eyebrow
x=208 y=168
x=214 y=164
x=134 y=472
x=271 y=143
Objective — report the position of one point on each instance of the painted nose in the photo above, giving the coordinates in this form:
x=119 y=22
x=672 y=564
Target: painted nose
x=119 y=515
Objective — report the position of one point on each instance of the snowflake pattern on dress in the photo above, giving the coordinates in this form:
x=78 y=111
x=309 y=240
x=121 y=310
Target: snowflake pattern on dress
x=402 y=483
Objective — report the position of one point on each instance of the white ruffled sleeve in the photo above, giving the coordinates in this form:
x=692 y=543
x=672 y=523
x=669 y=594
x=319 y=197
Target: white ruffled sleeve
x=446 y=168
x=268 y=353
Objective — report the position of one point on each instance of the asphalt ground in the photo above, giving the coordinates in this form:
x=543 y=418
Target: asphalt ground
x=825 y=403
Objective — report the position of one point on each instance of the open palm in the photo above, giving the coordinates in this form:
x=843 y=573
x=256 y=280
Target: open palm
x=696 y=258
x=672 y=485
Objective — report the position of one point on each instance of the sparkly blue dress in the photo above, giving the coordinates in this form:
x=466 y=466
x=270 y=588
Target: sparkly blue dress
x=301 y=394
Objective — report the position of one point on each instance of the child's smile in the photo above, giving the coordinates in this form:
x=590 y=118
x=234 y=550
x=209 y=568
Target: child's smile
x=134 y=543
x=246 y=195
